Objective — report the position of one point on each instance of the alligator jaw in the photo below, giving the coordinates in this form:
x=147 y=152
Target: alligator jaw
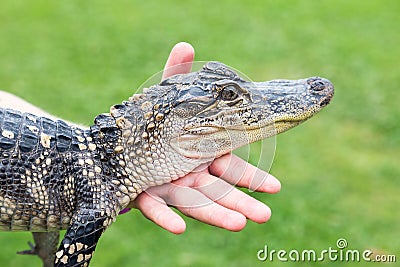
x=261 y=110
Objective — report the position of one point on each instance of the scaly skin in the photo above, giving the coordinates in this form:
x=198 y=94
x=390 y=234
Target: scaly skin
x=55 y=176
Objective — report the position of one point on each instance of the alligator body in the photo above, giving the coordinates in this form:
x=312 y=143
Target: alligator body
x=57 y=176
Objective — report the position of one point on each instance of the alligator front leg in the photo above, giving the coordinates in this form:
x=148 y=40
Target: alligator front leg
x=45 y=247
x=80 y=240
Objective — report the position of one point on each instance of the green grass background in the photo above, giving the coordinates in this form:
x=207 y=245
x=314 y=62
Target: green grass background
x=339 y=172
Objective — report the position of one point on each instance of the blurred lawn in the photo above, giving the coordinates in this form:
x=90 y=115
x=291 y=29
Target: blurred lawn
x=340 y=171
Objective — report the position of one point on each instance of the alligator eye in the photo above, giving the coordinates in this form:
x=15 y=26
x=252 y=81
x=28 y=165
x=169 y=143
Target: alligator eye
x=229 y=93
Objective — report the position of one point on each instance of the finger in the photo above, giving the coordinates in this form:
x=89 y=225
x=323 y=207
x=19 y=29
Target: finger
x=195 y=204
x=180 y=60
x=216 y=215
x=234 y=170
x=225 y=194
x=157 y=211
x=230 y=197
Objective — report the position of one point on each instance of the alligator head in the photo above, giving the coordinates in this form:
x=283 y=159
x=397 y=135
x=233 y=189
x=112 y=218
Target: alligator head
x=205 y=114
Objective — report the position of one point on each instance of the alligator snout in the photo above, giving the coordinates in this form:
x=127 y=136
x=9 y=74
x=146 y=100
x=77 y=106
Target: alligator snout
x=322 y=87
x=319 y=84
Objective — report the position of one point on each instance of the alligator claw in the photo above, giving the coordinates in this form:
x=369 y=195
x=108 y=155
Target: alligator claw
x=32 y=251
x=44 y=247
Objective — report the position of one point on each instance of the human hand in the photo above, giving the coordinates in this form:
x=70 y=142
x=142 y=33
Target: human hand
x=208 y=195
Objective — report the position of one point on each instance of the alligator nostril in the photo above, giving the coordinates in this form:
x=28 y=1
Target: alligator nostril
x=316 y=84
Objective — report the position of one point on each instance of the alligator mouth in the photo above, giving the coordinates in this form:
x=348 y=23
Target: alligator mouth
x=212 y=128
x=283 y=125
x=326 y=100
x=271 y=125
x=211 y=142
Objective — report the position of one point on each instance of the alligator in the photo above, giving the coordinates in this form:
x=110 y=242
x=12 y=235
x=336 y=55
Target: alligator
x=55 y=175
